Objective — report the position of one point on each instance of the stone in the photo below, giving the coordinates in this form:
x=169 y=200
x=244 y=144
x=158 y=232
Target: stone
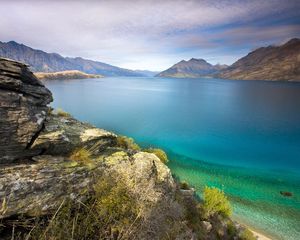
x=23 y=109
x=63 y=134
x=40 y=187
x=207 y=226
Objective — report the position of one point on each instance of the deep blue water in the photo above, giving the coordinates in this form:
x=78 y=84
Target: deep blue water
x=241 y=136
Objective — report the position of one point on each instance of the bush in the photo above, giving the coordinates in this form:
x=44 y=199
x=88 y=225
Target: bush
x=215 y=201
x=247 y=235
x=127 y=143
x=184 y=185
x=61 y=113
x=231 y=229
x=159 y=153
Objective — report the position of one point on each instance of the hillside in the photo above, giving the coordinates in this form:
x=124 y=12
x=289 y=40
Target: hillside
x=191 y=69
x=40 y=61
x=268 y=63
x=71 y=74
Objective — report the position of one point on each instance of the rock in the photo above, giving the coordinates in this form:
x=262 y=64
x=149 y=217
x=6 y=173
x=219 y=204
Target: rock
x=286 y=194
x=188 y=192
x=38 y=188
x=62 y=135
x=23 y=109
x=207 y=226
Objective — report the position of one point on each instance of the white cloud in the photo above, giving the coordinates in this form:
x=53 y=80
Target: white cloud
x=135 y=34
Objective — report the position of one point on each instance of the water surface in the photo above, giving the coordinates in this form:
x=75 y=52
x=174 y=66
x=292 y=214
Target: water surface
x=241 y=136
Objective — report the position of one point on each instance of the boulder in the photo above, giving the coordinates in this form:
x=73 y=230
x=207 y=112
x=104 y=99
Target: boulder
x=63 y=134
x=23 y=109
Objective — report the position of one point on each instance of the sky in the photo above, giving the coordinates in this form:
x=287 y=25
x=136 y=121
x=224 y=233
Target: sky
x=153 y=35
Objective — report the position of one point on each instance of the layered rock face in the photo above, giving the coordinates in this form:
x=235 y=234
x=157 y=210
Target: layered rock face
x=23 y=109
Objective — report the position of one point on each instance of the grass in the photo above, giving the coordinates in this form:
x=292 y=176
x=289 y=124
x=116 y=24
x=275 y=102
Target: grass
x=127 y=143
x=110 y=212
x=61 y=113
x=81 y=155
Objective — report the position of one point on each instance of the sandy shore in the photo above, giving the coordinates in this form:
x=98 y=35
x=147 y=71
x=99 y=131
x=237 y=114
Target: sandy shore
x=259 y=236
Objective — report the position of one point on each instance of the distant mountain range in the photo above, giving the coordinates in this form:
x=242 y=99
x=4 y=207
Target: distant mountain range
x=40 y=61
x=268 y=63
x=192 y=69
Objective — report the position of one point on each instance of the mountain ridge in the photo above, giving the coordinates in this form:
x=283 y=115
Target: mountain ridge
x=41 y=61
x=192 y=68
x=268 y=63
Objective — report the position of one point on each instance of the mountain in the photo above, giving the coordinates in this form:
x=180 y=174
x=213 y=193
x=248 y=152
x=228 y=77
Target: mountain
x=68 y=74
x=268 y=63
x=147 y=73
x=40 y=61
x=191 y=69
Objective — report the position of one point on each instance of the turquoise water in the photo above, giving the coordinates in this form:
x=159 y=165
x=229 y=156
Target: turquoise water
x=241 y=136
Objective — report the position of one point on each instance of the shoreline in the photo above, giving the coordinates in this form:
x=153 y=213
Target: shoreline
x=259 y=235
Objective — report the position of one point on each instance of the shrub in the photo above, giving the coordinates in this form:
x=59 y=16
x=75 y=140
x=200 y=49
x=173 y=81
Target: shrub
x=127 y=143
x=159 y=153
x=61 y=113
x=231 y=229
x=81 y=155
x=111 y=212
x=184 y=185
x=215 y=201
x=247 y=235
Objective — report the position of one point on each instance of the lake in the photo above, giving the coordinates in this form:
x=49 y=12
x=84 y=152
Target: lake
x=240 y=136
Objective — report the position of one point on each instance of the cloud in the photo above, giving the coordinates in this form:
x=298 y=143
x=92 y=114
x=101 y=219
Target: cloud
x=141 y=34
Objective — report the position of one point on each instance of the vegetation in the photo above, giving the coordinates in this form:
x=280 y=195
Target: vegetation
x=231 y=229
x=110 y=212
x=247 y=235
x=81 y=155
x=215 y=202
x=61 y=113
x=127 y=143
x=184 y=185
x=159 y=153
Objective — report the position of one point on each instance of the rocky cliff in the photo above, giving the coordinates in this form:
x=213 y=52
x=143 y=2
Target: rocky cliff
x=23 y=110
x=64 y=179
x=268 y=63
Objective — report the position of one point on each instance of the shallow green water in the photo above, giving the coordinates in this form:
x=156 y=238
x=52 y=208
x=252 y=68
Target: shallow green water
x=241 y=136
